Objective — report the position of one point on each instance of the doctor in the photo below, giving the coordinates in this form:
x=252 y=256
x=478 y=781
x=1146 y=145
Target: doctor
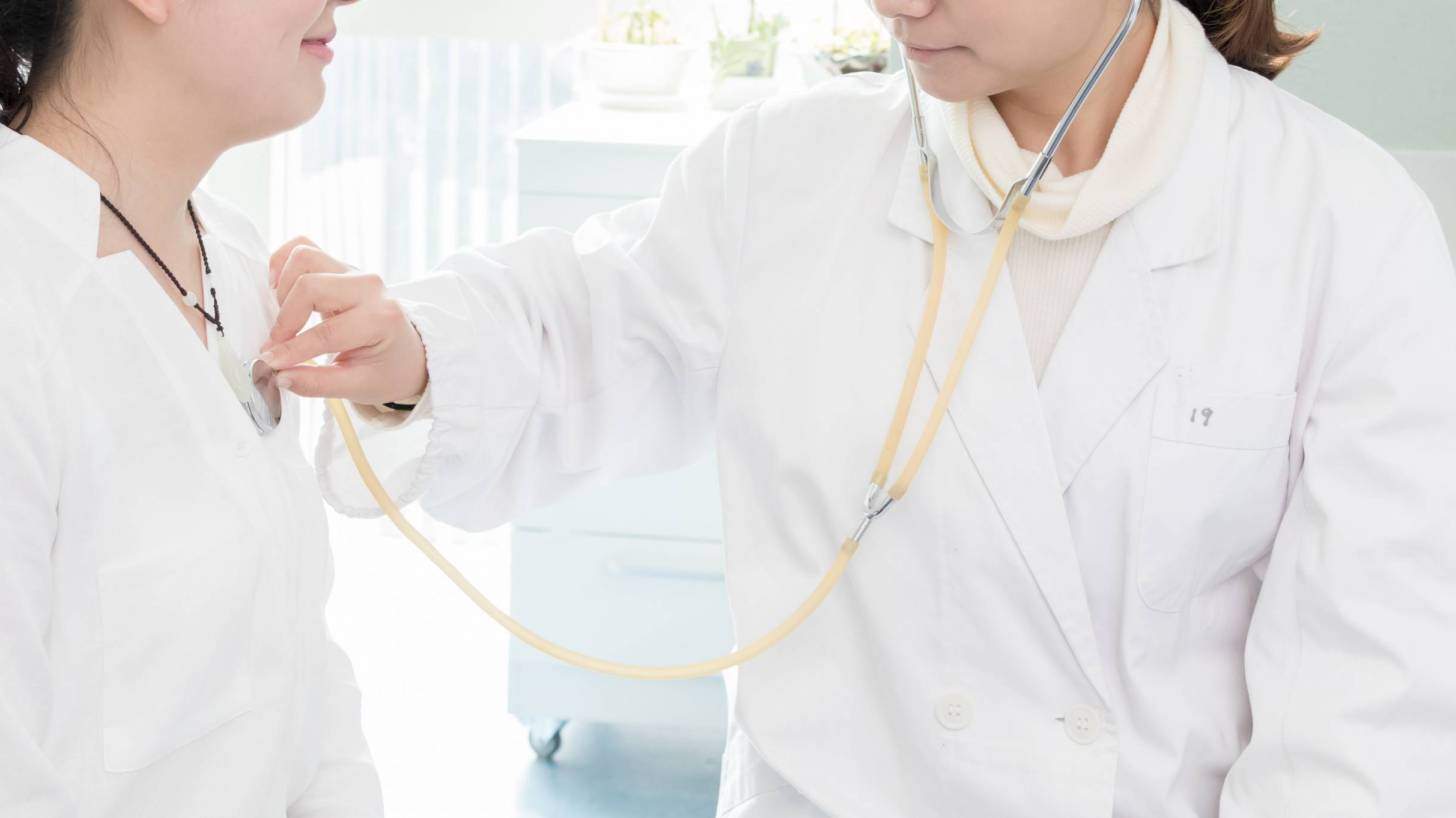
x=1186 y=545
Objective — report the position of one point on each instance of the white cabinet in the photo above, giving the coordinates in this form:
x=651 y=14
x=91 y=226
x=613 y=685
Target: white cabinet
x=632 y=572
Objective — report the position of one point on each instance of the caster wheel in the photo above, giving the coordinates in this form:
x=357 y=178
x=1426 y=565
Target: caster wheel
x=545 y=739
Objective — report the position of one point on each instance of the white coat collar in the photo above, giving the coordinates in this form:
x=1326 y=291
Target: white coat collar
x=46 y=189
x=50 y=191
x=56 y=208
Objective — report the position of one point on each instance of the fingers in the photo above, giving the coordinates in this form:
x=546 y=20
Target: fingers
x=304 y=260
x=275 y=263
x=346 y=333
x=334 y=381
x=325 y=294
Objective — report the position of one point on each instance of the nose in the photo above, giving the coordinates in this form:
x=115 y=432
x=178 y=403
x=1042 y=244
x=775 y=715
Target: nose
x=914 y=9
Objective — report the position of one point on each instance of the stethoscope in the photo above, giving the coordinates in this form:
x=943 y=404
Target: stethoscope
x=880 y=495
x=1022 y=189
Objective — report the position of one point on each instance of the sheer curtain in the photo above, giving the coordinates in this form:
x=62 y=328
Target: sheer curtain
x=410 y=159
x=411 y=156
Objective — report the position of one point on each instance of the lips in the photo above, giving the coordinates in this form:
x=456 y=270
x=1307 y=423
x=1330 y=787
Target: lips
x=919 y=47
x=322 y=39
x=319 y=46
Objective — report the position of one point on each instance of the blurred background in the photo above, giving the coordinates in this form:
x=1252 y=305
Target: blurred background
x=455 y=122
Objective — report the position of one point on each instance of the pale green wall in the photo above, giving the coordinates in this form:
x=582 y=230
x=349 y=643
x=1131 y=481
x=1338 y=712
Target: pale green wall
x=1388 y=67
x=524 y=20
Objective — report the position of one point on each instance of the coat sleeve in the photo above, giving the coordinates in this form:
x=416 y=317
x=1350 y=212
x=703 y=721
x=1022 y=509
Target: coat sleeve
x=564 y=360
x=1351 y=654
x=30 y=781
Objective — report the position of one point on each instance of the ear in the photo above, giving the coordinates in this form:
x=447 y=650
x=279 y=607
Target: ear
x=157 y=11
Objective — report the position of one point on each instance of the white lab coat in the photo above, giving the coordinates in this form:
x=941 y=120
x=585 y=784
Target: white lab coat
x=163 y=569
x=1207 y=567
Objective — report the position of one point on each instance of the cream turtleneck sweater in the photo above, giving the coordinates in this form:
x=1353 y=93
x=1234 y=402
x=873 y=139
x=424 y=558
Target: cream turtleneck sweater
x=1070 y=216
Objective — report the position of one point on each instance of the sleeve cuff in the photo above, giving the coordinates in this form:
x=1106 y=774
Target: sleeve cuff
x=405 y=448
x=383 y=417
x=422 y=453
x=450 y=452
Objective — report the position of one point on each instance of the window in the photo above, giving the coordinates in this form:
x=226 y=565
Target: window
x=411 y=156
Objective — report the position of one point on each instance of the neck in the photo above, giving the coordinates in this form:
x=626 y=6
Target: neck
x=1032 y=112
x=146 y=159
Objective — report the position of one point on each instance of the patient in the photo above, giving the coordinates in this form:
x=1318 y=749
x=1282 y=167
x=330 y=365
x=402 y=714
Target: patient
x=163 y=560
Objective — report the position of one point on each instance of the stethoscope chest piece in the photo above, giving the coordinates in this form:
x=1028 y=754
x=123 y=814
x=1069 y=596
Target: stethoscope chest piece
x=255 y=385
x=262 y=398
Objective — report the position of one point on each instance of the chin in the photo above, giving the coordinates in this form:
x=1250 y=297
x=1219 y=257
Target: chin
x=311 y=101
x=950 y=85
x=282 y=114
x=945 y=89
x=304 y=102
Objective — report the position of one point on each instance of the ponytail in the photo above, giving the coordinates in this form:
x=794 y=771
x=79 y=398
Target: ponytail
x=1247 y=33
x=35 y=36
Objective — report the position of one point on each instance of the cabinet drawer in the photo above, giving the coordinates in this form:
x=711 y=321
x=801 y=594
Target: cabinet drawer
x=626 y=599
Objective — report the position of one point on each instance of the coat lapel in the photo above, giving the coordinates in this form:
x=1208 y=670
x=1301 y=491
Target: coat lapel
x=1028 y=443
x=995 y=413
x=1114 y=342
x=1110 y=350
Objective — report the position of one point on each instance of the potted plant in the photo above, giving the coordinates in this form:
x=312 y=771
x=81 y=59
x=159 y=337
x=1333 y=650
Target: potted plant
x=853 y=50
x=744 y=63
x=638 y=54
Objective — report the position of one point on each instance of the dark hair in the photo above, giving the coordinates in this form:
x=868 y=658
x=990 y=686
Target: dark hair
x=1247 y=33
x=35 y=36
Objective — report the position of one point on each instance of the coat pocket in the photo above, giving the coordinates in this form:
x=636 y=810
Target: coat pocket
x=177 y=591
x=1217 y=484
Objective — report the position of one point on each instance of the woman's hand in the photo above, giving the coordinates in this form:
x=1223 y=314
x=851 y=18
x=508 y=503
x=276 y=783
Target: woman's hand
x=379 y=355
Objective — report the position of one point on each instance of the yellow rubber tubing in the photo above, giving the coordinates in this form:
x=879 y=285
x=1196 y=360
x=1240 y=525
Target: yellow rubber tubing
x=846 y=551
x=546 y=646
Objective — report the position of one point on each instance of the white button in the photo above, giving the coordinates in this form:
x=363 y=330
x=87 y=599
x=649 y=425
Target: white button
x=1083 y=725
x=953 y=712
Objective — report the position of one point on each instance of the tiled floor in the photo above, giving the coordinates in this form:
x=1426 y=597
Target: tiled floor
x=433 y=671
x=606 y=772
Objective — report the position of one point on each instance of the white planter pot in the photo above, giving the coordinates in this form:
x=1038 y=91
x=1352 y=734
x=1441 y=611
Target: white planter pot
x=646 y=70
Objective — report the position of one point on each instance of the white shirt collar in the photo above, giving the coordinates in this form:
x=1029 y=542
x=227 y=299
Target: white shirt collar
x=43 y=188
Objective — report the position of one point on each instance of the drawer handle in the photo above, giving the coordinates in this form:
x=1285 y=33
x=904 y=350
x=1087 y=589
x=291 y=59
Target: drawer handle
x=656 y=567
